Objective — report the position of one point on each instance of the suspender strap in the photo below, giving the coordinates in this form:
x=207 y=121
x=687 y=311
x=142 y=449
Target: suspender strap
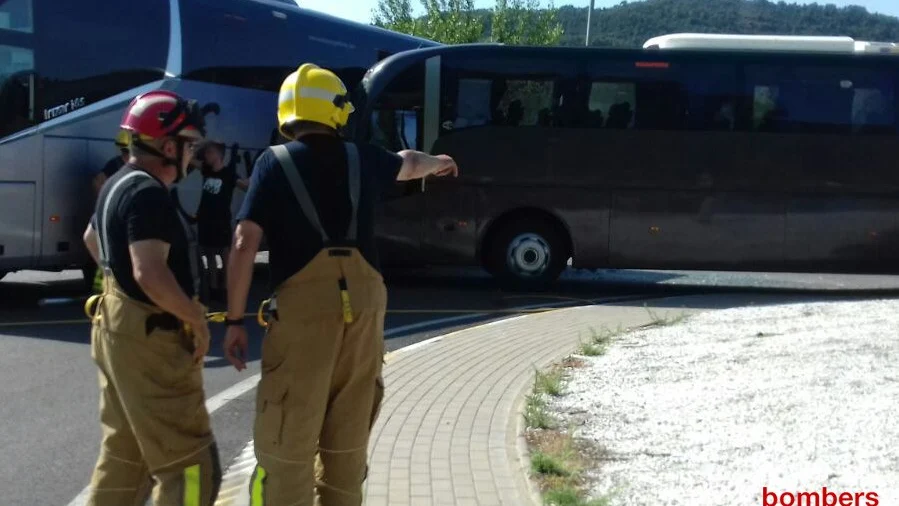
x=192 y=251
x=355 y=182
x=299 y=189
x=302 y=194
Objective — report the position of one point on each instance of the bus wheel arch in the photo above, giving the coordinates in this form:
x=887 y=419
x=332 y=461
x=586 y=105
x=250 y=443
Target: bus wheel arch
x=526 y=248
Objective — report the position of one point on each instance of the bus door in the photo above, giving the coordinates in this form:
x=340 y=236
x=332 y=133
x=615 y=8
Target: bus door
x=397 y=123
x=451 y=204
x=687 y=190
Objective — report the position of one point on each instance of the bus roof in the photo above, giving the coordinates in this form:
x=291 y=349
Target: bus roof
x=795 y=43
x=289 y=4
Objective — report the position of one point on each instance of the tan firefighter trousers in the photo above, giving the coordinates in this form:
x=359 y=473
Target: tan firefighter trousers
x=152 y=410
x=321 y=383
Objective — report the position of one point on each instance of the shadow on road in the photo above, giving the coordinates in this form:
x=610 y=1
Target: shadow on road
x=440 y=300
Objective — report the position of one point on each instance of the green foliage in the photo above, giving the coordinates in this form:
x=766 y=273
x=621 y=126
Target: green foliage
x=525 y=22
x=458 y=22
x=452 y=21
x=630 y=24
x=627 y=24
x=396 y=15
x=445 y=21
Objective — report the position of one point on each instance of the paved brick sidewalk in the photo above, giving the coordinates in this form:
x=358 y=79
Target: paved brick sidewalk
x=448 y=432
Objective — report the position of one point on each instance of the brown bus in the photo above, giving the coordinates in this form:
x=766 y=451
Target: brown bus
x=732 y=158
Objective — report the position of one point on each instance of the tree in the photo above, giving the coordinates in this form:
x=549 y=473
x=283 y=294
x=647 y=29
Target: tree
x=445 y=21
x=525 y=22
x=457 y=22
x=396 y=15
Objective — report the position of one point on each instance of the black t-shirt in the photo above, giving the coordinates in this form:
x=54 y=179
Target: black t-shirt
x=112 y=166
x=218 y=190
x=321 y=161
x=137 y=215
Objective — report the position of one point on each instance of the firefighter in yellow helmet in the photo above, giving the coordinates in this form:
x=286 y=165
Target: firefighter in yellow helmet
x=314 y=199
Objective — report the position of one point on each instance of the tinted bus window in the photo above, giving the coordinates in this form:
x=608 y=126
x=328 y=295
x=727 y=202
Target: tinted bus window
x=92 y=49
x=16 y=81
x=658 y=96
x=808 y=99
x=16 y=15
x=499 y=93
x=17 y=61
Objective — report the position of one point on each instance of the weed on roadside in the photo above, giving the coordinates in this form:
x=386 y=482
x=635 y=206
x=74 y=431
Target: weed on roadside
x=590 y=349
x=558 y=459
x=549 y=382
x=663 y=321
x=535 y=414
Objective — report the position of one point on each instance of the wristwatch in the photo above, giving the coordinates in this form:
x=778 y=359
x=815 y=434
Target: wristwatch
x=237 y=322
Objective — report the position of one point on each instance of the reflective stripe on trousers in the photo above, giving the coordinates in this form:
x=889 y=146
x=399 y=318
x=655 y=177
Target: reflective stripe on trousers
x=152 y=411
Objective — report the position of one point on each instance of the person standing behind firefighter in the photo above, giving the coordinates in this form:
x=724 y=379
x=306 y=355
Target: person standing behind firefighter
x=115 y=163
x=314 y=199
x=214 y=218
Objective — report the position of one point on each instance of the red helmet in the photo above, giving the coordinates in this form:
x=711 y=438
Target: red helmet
x=161 y=113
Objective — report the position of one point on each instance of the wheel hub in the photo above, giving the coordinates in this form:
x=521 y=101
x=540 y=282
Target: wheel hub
x=528 y=255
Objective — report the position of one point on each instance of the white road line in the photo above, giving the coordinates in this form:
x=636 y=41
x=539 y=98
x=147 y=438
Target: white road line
x=241 y=468
x=234 y=490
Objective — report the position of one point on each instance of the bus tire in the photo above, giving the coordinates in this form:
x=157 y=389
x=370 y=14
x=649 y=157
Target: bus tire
x=527 y=252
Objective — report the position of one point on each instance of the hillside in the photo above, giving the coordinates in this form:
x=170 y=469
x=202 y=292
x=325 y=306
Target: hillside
x=630 y=24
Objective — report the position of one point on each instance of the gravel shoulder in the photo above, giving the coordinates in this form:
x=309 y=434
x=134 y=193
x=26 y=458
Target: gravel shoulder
x=712 y=410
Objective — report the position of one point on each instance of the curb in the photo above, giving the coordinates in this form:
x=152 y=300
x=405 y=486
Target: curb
x=523 y=454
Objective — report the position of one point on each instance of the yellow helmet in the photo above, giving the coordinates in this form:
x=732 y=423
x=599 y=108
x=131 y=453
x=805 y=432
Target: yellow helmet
x=123 y=139
x=313 y=94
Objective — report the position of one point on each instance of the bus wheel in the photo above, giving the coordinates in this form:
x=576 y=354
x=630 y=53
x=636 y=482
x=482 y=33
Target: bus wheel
x=528 y=254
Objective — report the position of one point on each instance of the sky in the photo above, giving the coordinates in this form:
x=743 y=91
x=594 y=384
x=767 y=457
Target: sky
x=361 y=10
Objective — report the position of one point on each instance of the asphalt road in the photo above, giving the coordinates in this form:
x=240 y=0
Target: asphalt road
x=49 y=383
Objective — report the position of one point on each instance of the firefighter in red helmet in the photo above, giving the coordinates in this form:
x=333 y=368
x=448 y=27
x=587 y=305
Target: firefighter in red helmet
x=149 y=332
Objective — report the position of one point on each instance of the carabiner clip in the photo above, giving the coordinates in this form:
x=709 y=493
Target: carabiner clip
x=260 y=315
x=90 y=306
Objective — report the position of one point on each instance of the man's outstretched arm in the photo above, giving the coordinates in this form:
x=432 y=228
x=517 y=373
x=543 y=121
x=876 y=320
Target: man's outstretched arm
x=417 y=165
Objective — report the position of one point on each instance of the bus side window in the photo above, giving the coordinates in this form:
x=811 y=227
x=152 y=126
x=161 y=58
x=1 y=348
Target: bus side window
x=511 y=92
x=16 y=89
x=611 y=105
x=822 y=100
x=527 y=103
x=626 y=94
